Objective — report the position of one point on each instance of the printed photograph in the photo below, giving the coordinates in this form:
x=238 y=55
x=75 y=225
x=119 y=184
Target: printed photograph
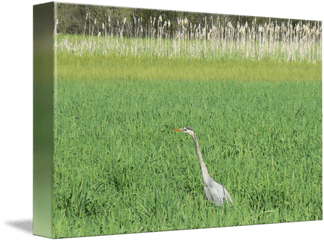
x=171 y=120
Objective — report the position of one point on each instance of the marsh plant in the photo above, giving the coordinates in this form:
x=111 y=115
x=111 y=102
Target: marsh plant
x=211 y=40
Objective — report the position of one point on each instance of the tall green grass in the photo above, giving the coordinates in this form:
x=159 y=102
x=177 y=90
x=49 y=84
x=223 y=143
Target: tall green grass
x=102 y=67
x=120 y=168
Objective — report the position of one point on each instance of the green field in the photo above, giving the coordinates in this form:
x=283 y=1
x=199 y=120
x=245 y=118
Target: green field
x=120 y=168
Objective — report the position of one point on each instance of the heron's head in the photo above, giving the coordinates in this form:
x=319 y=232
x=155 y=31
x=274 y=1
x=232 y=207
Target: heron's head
x=188 y=130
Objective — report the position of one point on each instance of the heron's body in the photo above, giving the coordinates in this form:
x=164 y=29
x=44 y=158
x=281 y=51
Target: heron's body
x=214 y=191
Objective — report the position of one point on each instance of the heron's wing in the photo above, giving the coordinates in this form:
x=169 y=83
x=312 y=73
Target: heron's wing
x=208 y=195
x=216 y=193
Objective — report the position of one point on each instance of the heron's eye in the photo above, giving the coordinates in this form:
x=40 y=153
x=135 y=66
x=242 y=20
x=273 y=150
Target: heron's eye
x=185 y=129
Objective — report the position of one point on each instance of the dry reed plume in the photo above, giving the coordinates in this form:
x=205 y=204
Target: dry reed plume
x=303 y=42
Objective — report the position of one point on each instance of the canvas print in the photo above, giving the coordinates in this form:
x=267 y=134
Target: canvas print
x=168 y=120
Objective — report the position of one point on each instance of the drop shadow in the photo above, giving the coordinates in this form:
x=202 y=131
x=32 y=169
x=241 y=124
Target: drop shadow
x=22 y=225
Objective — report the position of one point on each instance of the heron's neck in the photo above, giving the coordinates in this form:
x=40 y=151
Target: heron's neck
x=204 y=171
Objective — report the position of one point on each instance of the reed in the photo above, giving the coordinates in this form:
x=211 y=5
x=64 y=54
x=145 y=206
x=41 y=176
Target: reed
x=210 y=40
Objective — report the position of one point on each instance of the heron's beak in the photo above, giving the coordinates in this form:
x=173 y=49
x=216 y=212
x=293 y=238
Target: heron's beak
x=177 y=130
